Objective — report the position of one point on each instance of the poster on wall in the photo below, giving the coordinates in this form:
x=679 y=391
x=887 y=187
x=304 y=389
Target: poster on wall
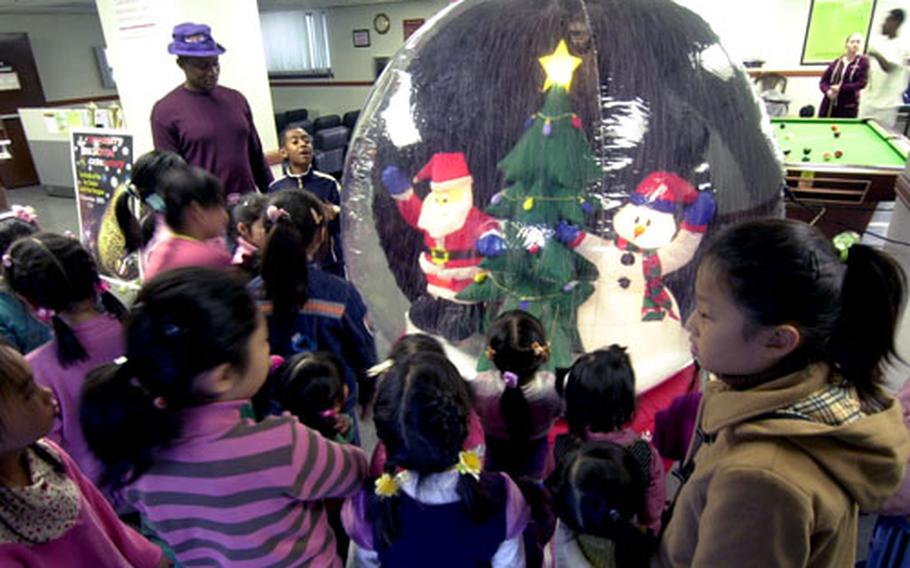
x=411 y=26
x=102 y=165
x=830 y=23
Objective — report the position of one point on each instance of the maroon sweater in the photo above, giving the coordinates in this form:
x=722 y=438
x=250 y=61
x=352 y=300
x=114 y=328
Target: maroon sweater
x=213 y=131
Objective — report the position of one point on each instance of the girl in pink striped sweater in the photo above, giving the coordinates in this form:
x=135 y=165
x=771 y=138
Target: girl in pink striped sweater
x=169 y=425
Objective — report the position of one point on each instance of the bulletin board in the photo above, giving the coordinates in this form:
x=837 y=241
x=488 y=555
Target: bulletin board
x=830 y=22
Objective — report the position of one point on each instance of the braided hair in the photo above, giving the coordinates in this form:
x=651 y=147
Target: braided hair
x=517 y=344
x=421 y=415
x=54 y=273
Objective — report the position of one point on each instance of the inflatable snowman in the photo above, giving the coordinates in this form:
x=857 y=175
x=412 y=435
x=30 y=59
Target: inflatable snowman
x=631 y=305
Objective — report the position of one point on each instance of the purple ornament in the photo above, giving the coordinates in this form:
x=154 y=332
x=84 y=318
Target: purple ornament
x=529 y=122
x=587 y=208
x=547 y=128
x=569 y=286
x=523 y=305
x=497 y=197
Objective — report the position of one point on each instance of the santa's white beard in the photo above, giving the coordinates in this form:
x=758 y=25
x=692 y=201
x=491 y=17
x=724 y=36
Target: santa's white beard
x=441 y=219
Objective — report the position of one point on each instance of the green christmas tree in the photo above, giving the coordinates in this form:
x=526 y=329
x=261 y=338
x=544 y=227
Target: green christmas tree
x=547 y=177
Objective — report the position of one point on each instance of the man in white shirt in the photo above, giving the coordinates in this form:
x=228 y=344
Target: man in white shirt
x=888 y=75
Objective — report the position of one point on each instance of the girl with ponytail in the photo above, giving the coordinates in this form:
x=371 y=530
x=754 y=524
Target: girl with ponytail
x=433 y=506
x=308 y=309
x=57 y=276
x=196 y=221
x=143 y=193
x=597 y=491
x=599 y=393
x=169 y=422
x=18 y=325
x=794 y=434
x=517 y=403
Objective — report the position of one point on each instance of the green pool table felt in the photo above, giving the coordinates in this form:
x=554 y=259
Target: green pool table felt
x=862 y=144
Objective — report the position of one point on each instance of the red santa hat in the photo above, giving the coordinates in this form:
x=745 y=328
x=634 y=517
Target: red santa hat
x=445 y=169
x=663 y=191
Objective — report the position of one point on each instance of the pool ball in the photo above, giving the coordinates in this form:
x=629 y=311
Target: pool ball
x=807 y=151
x=838 y=153
x=834 y=128
x=827 y=156
x=787 y=152
x=782 y=126
x=805 y=158
x=837 y=134
x=787 y=136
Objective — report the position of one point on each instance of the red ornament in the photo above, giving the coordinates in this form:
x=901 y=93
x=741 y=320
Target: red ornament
x=534 y=249
x=576 y=122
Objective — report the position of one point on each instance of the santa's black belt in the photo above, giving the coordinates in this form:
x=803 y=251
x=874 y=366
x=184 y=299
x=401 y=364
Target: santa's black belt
x=440 y=256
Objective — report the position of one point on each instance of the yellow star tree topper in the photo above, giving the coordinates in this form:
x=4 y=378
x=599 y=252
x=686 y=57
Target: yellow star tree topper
x=559 y=66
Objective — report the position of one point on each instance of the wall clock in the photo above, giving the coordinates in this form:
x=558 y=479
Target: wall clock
x=381 y=23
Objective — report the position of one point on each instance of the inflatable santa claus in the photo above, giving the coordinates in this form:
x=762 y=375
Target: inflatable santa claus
x=451 y=226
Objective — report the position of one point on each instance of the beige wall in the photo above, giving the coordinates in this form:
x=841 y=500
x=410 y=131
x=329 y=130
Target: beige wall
x=63 y=46
x=771 y=30
x=350 y=63
x=774 y=31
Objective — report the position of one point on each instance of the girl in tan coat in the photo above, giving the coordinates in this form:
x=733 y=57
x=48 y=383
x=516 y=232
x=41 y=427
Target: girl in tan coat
x=794 y=435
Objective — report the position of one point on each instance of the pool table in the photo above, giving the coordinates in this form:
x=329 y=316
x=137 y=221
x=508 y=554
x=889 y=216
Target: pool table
x=867 y=169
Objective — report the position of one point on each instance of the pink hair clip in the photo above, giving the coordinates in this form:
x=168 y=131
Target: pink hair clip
x=45 y=315
x=273 y=212
x=7 y=261
x=102 y=286
x=22 y=212
x=329 y=414
x=510 y=379
x=275 y=361
x=25 y=213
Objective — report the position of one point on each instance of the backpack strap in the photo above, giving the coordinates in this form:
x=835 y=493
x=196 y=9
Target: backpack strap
x=640 y=450
x=685 y=469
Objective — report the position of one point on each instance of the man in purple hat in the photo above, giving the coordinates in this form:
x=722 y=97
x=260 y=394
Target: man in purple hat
x=209 y=125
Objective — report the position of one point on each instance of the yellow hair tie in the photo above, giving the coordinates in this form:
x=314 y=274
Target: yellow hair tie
x=469 y=463
x=541 y=350
x=387 y=485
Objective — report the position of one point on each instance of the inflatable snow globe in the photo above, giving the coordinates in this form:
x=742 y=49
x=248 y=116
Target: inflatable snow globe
x=563 y=157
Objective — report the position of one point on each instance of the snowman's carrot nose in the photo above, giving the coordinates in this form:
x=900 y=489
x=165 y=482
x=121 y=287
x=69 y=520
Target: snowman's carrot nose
x=639 y=229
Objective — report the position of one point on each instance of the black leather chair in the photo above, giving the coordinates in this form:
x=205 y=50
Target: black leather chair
x=327 y=121
x=350 y=119
x=331 y=138
x=296 y=115
x=281 y=121
x=305 y=124
x=330 y=161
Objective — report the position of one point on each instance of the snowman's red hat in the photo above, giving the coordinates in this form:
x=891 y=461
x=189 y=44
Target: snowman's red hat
x=445 y=169
x=664 y=191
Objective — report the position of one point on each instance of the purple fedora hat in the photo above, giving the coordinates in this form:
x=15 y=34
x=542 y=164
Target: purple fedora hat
x=194 y=40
